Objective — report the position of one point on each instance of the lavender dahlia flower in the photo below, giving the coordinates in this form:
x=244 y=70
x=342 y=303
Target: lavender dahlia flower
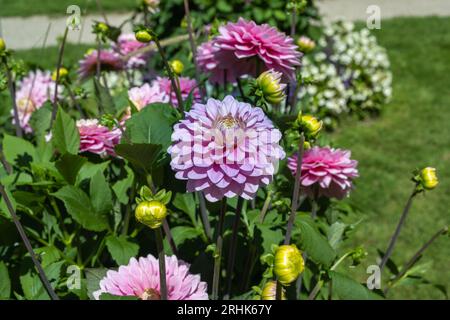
x=96 y=138
x=140 y=278
x=326 y=172
x=240 y=47
x=225 y=149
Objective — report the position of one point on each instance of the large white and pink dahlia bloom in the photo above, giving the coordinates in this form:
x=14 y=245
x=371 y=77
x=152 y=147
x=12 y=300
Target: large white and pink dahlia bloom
x=96 y=138
x=326 y=172
x=146 y=94
x=140 y=278
x=225 y=149
x=33 y=91
x=240 y=47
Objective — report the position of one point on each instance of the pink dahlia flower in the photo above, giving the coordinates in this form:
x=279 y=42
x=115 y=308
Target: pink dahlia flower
x=207 y=62
x=142 y=96
x=96 y=138
x=109 y=61
x=127 y=44
x=34 y=90
x=244 y=45
x=326 y=172
x=140 y=278
x=225 y=148
x=187 y=86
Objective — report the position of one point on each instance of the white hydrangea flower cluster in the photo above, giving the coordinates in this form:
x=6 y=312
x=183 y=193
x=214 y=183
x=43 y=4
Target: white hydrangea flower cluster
x=352 y=72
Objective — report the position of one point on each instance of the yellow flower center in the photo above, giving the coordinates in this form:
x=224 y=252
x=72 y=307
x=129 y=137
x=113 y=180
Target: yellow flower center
x=150 y=294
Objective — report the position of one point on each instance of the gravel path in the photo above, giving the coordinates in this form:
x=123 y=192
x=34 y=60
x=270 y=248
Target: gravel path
x=25 y=33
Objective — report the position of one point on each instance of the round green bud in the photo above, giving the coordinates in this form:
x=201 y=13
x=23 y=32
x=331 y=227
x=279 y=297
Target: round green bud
x=151 y=213
x=143 y=36
x=288 y=264
x=177 y=66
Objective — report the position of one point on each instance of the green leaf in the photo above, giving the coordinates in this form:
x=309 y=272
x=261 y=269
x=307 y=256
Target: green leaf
x=121 y=187
x=182 y=233
x=32 y=286
x=312 y=241
x=152 y=125
x=121 y=249
x=101 y=196
x=65 y=135
x=5 y=282
x=48 y=255
x=141 y=156
x=40 y=119
x=15 y=148
x=268 y=236
x=348 y=289
x=104 y=98
x=93 y=277
x=88 y=170
x=69 y=165
x=335 y=233
x=186 y=203
x=79 y=206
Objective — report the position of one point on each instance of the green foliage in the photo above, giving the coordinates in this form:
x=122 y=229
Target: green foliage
x=5 y=282
x=121 y=249
x=65 y=136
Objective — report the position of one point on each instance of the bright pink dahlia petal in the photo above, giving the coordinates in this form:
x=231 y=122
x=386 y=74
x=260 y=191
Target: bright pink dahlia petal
x=140 y=278
x=225 y=149
x=96 y=138
x=109 y=61
x=326 y=172
x=240 y=47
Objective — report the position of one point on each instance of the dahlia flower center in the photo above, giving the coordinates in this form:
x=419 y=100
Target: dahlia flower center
x=150 y=294
x=25 y=105
x=228 y=122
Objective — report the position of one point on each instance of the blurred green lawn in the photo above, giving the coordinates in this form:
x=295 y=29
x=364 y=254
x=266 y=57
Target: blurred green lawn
x=58 y=7
x=413 y=131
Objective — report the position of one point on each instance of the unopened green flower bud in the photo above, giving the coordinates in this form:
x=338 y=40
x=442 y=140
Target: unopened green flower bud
x=306 y=145
x=143 y=36
x=305 y=44
x=428 y=178
x=269 y=292
x=269 y=86
x=177 y=66
x=63 y=73
x=288 y=264
x=151 y=213
x=358 y=255
x=102 y=27
x=2 y=45
x=310 y=124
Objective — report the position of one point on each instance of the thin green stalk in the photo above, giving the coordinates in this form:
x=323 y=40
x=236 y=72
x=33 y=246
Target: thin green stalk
x=416 y=256
x=204 y=215
x=58 y=66
x=162 y=264
x=265 y=207
x=28 y=246
x=233 y=245
x=12 y=92
x=218 y=253
x=169 y=72
x=320 y=283
x=394 y=238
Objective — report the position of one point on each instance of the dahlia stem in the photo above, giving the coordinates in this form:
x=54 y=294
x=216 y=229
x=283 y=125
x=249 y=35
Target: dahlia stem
x=218 y=253
x=169 y=72
x=162 y=264
x=74 y=100
x=265 y=207
x=233 y=244
x=169 y=236
x=58 y=66
x=394 y=238
x=416 y=256
x=12 y=92
x=28 y=246
x=204 y=215
x=191 y=38
x=293 y=21
x=294 y=203
x=296 y=194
